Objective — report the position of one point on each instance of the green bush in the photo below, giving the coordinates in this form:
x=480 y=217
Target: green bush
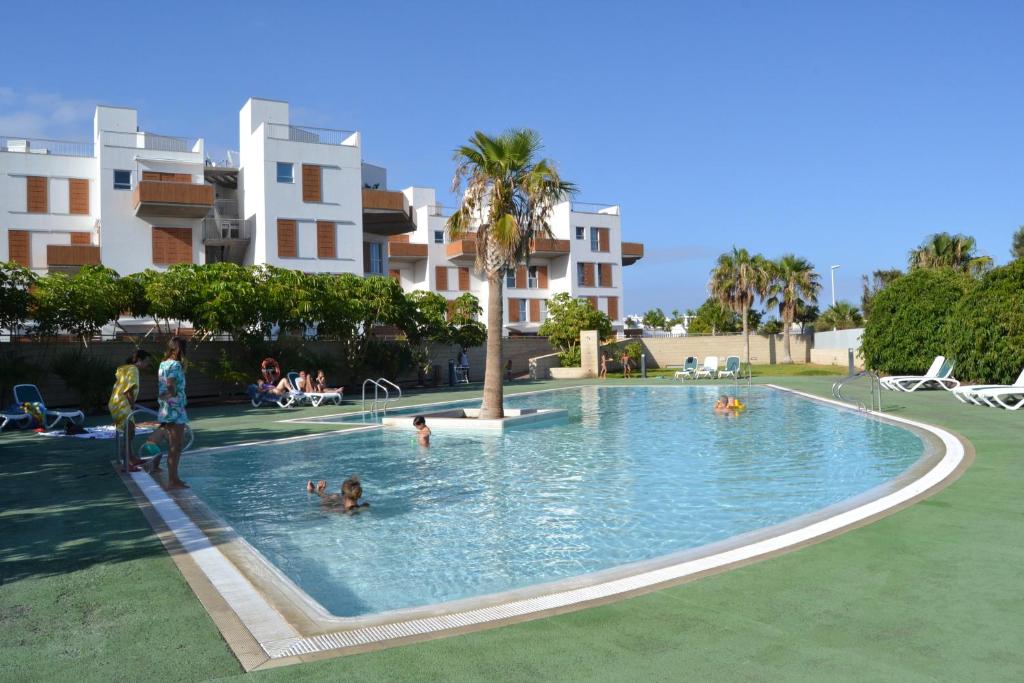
x=985 y=333
x=908 y=318
x=571 y=357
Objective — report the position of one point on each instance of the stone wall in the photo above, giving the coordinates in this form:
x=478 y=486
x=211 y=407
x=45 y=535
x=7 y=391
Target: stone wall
x=669 y=351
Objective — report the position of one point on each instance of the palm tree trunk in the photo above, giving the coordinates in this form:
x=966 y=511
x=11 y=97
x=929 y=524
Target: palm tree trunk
x=746 y=333
x=787 y=322
x=492 y=407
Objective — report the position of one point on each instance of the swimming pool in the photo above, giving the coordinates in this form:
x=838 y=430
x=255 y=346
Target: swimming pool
x=634 y=473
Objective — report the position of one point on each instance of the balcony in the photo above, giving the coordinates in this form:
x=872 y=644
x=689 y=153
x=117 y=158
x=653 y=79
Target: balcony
x=309 y=134
x=175 y=200
x=25 y=145
x=549 y=247
x=69 y=258
x=463 y=251
x=406 y=251
x=632 y=252
x=386 y=213
x=221 y=232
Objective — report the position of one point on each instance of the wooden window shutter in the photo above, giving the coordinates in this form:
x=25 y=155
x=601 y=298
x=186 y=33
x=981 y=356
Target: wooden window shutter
x=78 y=196
x=441 y=277
x=311 y=183
x=38 y=200
x=463 y=279
x=602 y=239
x=605 y=274
x=326 y=246
x=366 y=257
x=613 y=307
x=593 y=301
x=287 y=241
x=395 y=275
x=172 y=245
x=83 y=239
x=588 y=274
x=521 y=277
x=534 y=310
x=19 y=247
x=542 y=277
x=513 y=310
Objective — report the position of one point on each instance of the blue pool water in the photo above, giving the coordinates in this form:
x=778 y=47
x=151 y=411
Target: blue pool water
x=633 y=474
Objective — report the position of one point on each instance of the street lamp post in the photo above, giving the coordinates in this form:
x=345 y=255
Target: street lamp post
x=833 y=269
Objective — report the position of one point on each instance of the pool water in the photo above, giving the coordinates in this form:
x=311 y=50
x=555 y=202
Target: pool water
x=634 y=473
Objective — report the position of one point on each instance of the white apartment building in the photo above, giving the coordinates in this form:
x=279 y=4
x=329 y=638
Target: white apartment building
x=294 y=196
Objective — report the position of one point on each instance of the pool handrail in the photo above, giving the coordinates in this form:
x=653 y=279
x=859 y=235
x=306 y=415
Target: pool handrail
x=876 y=389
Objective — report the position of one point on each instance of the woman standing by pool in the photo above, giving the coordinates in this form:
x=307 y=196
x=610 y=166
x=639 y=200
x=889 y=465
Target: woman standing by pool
x=125 y=393
x=172 y=400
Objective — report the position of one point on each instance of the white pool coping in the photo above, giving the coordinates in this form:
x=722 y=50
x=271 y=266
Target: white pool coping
x=279 y=639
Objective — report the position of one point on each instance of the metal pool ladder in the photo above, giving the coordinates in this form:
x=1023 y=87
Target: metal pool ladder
x=876 y=390
x=380 y=385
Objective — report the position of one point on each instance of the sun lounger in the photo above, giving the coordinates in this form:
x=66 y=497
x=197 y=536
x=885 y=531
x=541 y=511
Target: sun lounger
x=261 y=398
x=708 y=370
x=932 y=371
x=21 y=419
x=313 y=398
x=29 y=393
x=969 y=394
x=939 y=379
x=1008 y=397
x=732 y=368
x=690 y=366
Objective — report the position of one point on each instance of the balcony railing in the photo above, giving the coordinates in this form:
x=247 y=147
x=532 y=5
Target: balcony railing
x=386 y=213
x=151 y=141
x=45 y=146
x=72 y=255
x=406 y=251
x=591 y=207
x=632 y=252
x=223 y=230
x=164 y=198
x=319 y=136
x=549 y=247
x=461 y=250
x=441 y=210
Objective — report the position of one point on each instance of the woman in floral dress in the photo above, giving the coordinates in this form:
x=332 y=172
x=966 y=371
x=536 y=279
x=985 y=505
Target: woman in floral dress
x=172 y=399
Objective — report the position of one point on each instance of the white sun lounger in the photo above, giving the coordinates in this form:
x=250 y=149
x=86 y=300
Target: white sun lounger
x=29 y=393
x=941 y=379
x=932 y=371
x=314 y=398
x=7 y=418
x=690 y=366
x=708 y=370
x=969 y=394
x=1010 y=397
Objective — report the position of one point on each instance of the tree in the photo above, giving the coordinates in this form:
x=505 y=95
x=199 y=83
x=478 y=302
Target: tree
x=1017 y=247
x=15 y=298
x=465 y=328
x=943 y=250
x=80 y=304
x=793 y=285
x=805 y=315
x=770 y=326
x=508 y=199
x=676 y=318
x=655 y=319
x=737 y=280
x=567 y=317
x=841 y=316
x=712 y=318
x=879 y=279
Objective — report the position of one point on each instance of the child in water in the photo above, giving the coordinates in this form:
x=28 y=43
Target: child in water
x=422 y=430
x=728 y=405
x=348 y=501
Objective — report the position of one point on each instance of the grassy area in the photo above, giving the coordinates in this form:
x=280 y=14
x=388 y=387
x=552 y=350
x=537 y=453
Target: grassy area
x=932 y=592
x=756 y=370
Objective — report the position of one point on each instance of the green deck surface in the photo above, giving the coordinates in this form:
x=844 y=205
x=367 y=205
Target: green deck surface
x=935 y=591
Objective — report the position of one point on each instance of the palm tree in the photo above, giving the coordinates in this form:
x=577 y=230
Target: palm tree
x=736 y=281
x=943 y=250
x=1017 y=248
x=841 y=316
x=508 y=199
x=794 y=285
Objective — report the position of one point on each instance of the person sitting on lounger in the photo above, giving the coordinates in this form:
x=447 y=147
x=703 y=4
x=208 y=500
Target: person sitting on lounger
x=320 y=384
x=422 y=430
x=347 y=501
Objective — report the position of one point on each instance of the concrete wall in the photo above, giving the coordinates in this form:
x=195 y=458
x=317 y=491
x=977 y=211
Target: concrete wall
x=836 y=357
x=666 y=351
x=839 y=339
x=56 y=393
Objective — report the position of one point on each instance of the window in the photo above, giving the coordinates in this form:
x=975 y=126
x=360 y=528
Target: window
x=580 y=232
x=604 y=275
x=285 y=172
x=287 y=238
x=543 y=310
x=311 y=184
x=595 y=240
x=122 y=180
x=581 y=273
x=38 y=198
x=510 y=279
x=531 y=279
x=439 y=237
x=522 y=309
x=377 y=258
x=172 y=245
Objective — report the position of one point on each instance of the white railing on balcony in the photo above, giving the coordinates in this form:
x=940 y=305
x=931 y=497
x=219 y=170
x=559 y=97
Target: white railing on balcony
x=151 y=141
x=226 y=208
x=26 y=145
x=226 y=229
x=440 y=210
x=320 y=136
x=592 y=207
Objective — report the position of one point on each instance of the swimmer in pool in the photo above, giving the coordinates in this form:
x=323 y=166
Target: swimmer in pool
x=722 y=405
x=735 y=405
x=422 y=430
x=347 y=501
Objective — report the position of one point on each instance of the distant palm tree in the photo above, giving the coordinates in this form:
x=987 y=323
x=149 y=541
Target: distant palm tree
x=508 y=198
x=793 y=285
x=943 y=250
x=736 y=281
x=1017 y=248
x=841 y=316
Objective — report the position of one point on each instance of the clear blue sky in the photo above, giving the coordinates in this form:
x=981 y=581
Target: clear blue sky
x=842 y=132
